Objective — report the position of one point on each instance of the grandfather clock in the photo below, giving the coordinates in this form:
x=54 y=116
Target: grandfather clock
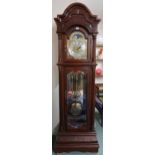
x=77 y=30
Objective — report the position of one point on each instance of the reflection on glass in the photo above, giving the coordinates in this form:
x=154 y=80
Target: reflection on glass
x=77 y=46
x=76 y=98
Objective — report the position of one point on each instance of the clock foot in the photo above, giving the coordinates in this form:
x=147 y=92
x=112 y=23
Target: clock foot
x=84 y=142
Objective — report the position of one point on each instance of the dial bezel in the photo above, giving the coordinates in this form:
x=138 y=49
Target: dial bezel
x=87 y=36
x=77 y=45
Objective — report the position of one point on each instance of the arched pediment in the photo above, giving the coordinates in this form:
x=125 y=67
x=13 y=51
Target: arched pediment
x=77 y=14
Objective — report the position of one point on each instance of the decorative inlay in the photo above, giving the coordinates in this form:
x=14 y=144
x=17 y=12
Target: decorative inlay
x=77 y=28
x=78 y=11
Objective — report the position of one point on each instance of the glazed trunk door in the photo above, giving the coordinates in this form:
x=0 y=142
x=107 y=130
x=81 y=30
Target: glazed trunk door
x=77 y=98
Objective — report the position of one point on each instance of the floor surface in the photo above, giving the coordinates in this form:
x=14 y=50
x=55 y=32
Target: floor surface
x=99 y=131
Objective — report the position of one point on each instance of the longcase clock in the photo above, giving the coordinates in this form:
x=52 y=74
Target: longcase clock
x=77 y=30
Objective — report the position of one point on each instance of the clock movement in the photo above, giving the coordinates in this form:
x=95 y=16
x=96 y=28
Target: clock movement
x=77 y=31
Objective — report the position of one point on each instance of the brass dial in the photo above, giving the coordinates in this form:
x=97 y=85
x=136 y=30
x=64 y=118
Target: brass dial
x=77 y=45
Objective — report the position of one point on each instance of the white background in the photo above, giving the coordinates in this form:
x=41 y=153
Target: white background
x=129 y=77
x=26 y=77
x=26 y=67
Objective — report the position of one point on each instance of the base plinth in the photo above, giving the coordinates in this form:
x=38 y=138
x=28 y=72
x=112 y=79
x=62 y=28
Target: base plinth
x=76 y=141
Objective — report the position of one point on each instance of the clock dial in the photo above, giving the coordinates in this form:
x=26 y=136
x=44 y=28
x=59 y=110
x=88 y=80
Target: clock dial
x=77 y=46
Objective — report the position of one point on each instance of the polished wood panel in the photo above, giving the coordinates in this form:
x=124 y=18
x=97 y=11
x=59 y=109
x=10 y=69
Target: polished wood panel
x=76 y=142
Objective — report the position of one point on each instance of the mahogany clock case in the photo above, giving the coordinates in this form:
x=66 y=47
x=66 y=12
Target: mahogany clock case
x=75 y=135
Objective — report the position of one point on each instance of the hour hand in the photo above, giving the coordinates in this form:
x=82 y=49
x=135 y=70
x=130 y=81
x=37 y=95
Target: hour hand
x=78 y=48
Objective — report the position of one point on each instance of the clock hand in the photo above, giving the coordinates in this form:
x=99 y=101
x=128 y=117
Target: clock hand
x=78 y=48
